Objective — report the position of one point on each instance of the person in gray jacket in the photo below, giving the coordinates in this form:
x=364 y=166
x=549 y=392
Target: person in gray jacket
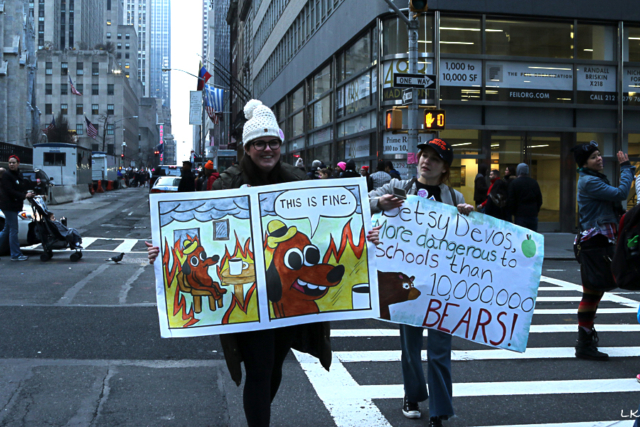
x=435 y=158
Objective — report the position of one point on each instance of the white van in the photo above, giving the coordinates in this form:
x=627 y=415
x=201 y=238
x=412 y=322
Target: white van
x=67 y=164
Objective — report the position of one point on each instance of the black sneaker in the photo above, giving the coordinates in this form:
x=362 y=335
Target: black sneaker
x=435 y=422
x=410 y=409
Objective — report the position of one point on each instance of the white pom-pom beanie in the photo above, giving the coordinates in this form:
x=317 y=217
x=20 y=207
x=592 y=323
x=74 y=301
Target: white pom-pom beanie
x=260 y=122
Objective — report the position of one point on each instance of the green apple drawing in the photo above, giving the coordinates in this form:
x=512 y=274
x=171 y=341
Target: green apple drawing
x=529 y=247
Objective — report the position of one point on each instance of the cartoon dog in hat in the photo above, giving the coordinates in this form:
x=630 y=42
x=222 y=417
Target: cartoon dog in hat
x=296 y=278
x=194 y=275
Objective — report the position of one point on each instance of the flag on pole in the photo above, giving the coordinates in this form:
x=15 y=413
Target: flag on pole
x=203 y=77
x=91 y=129
x=73 y=88
x=52 y=125
x=213 y=101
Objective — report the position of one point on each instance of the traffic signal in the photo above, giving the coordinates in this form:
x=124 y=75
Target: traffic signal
x=434 y=119
x=418 y=6
x=393 y=120
x=122 y=155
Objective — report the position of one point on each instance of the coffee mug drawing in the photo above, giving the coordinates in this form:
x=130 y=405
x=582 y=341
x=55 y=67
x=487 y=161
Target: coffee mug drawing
x=236 y=266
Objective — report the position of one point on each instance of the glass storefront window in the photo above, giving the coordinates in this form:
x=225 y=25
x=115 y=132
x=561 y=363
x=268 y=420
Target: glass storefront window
x=296 y=145
x=357 y=94
x=463 y=142
x=357 y=124
x=597 y=42
x=280 y=110
x=321 y=136
x=322 y=82
x=527 y=38
x=340 y=67
x=460 y=35
x=358 y=56
x=632 y=44
x=323 y=153
x=297 y=124
x=322 y=112
x=394 y=36
x=297 y=99
x=357 y=147
x=462 y=176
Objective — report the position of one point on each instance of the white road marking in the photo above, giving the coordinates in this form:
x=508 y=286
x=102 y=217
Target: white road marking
x=617 y=423
x=127 y=286
x=73 y=291
x=86 y=241
x=126 y=246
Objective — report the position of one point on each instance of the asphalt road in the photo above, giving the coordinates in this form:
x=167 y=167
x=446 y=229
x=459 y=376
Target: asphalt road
x=80 y=346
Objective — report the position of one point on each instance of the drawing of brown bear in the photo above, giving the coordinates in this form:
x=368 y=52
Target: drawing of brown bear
x=395 y=288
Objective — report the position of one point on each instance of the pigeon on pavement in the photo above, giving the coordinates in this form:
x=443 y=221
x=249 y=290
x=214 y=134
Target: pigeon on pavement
x=117 y=258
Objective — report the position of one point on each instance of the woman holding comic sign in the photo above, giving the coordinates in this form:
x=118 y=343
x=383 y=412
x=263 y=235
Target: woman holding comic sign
x=434 y=163
x=263 y=352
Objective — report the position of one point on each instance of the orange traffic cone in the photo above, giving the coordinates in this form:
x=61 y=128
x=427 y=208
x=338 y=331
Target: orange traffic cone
x=99 y=189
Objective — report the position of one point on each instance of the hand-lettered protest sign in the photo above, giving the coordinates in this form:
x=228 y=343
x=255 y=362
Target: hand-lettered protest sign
x=263 y=257
x=473 y=276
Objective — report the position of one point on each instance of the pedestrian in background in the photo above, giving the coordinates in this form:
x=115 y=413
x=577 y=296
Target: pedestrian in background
x=388 y=167
x=316 y=165
x=480 y=186
x=599 y=212
x=496 y=203
x=525 y=199
x=12 y=196
x=434 y=164
x=364 y=171
x=380 y=177
x=210 y=177
x=263 y=352
x=350 y=170
x=325 y=173
x=509 y=175
x=188 y=181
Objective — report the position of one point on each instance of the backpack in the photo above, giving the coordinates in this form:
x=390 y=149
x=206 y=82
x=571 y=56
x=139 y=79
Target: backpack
x=498 y=194
x=625 y=264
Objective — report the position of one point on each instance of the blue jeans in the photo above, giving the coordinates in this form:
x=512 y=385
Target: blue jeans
x=10 y=231
x=530 y=222
x=438 y=369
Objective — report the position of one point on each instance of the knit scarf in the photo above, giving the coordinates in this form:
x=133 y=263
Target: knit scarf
x=591 y=172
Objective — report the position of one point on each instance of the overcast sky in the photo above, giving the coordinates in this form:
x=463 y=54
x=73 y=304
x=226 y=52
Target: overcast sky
x=186 y=45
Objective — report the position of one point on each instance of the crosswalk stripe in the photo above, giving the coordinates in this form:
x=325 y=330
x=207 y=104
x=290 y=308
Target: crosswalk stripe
x=618 y=423
x=86 y=241
x=535 y=329
x=126 y=246
x=469 y=355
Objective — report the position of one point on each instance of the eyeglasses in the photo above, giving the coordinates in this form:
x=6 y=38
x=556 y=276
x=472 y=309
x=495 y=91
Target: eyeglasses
x=261 y=145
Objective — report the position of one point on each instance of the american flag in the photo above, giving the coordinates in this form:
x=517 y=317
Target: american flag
x=52 y=125
x=91 y=129
x=73 y=88
x=213 y=101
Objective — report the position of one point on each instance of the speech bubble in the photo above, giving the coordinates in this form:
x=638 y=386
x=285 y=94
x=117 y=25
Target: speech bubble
x=328 y=203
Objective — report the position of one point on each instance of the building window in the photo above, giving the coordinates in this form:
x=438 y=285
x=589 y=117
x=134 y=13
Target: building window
x=119 y=45
x=108 y=35
x=48 y=109
x=64 y=89
x=460 y=35
x=395 y=36
x=126 y=65
x=119 y=36
x=64 y=108
x=127 y=56
x=109 y=22
x=631 y=44
x=48 y=88
x=49 y=68
x=111 y=89
x=79 y=109
x=80 y=88
x=95 y=109
x=54 y=159
x=79 y=130
x=528 y=38
x=111 y=129
x=322 y=82
x=322 y=112
x=297 y=99
x=126 y=46
x=119 y=55
x=596 y=42
x=110 y=109
x=95 y=89
x=80 y=68
x=127 y=36
x=64 y=68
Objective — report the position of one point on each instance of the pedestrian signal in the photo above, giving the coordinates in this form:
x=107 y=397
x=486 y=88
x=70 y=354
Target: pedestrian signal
x=434 y=119
x=393 y=120
x=419 y=6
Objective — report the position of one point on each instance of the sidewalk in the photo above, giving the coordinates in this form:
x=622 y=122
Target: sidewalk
x=558 y=246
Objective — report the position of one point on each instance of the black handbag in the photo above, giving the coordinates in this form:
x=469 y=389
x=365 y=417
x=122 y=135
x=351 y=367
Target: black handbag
x=595 y=258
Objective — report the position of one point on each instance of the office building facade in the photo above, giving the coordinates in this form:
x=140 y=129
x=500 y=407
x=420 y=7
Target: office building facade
x=70 y=24
x=138 y=14
x=523 y=85
x=160 y=54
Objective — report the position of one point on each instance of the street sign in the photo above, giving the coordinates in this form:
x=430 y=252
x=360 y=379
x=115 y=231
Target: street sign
x=418 y=81
x=434 y=119
x=407 y=96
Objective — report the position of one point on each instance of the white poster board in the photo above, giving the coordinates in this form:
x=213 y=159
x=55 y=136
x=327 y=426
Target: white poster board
x=195 y=108
x=473 y=276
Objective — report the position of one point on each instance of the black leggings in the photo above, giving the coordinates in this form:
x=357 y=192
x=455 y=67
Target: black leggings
x=263 y=353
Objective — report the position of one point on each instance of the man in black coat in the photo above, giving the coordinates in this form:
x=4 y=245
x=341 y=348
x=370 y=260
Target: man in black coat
x=481 y=187
x=12 y=195
x=188 y=181
x=525 y=199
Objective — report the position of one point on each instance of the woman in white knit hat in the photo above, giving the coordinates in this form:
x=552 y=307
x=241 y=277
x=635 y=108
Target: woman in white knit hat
x=263 y=352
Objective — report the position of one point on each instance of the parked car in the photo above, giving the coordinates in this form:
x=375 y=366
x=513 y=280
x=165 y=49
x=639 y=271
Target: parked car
x=166 y=184
x=38 y=181
x=171 y=170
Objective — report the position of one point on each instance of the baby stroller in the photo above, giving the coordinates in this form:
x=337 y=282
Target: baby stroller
x=53 y=234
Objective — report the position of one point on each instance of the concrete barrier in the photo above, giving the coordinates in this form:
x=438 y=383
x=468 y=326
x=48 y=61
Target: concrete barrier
x=68 y=193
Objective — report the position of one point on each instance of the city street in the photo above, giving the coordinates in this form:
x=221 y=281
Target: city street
x=81 y=346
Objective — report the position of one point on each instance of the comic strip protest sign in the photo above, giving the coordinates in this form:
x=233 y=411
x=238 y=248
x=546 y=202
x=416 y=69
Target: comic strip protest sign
x=263 y=257
x=473 y=276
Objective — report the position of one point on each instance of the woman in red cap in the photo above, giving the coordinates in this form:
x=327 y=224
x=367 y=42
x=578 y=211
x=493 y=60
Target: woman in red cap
x=12 y=196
